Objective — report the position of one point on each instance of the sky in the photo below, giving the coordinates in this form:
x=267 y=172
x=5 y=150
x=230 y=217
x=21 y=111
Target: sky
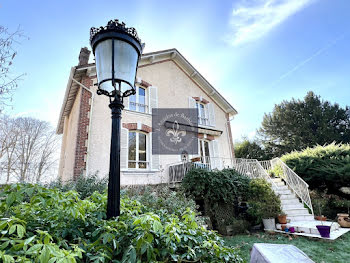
x=256 y=53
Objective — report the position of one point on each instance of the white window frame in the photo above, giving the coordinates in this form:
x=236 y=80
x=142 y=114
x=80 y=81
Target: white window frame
x=203 y=114
x=137 y=100
x=137 y=161
x=206 y=159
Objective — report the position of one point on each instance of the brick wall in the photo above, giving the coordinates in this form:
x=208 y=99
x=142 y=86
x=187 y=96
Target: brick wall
x=83 y=129
x=133 y=126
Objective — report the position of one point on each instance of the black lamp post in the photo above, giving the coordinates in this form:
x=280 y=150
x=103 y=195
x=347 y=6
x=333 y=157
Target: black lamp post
x=117 y=51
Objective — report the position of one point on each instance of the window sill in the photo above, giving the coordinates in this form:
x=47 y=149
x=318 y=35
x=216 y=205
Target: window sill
x=139 y=171
x=138 y=112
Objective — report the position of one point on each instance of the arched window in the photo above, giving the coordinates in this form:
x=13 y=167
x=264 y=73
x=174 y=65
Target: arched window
x=137 y=158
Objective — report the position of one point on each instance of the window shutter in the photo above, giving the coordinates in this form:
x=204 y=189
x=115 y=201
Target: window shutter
x=211 y=113
x=214 y=154
x=155 y=160
x=153 y=98
x=124 y=148
x=191 y=102
x=126 y=103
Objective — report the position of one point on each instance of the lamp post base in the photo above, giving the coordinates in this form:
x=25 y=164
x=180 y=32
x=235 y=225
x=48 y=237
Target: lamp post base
x=113 y=199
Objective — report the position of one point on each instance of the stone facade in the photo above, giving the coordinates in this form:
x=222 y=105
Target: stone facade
x=169 y=82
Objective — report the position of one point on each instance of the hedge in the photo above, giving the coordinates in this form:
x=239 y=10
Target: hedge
x=324 y=168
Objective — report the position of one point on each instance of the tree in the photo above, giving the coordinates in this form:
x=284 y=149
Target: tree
x=298 y=124
x=29 y=150
x=251 y=150
x=8 y=82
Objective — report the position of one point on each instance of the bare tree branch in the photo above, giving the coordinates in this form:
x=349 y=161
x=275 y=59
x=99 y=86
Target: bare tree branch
x=8 y=82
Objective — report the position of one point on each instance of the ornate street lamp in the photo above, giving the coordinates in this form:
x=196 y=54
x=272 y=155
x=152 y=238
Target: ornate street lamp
x=117 y=51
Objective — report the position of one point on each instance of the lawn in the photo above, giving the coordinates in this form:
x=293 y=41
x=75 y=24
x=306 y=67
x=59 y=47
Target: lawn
x=337 y=251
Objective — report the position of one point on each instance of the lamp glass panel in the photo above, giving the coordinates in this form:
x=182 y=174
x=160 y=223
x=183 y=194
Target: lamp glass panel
x=103 y=57
x=125 y=63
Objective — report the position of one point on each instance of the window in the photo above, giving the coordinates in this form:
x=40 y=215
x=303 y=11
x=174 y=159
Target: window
x=137 y=150
x=137 y=102
x=204 y=151
x=202 y=113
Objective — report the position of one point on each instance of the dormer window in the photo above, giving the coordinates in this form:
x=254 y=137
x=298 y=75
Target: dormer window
x=138 y=101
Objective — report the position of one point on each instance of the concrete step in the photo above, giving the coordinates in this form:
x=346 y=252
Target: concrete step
x=283 y=187
x=308 y=227
x=296 y=211
x=305 y=217
x=292 y=206
x=288 y=196
x=283 y=192
x=293 y=201
x=276 y=180
x=279 y=184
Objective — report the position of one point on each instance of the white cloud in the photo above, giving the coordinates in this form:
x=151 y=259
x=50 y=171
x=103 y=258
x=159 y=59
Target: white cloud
x=251 y=22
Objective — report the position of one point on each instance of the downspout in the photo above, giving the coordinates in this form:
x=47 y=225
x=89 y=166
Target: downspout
x=90 y=119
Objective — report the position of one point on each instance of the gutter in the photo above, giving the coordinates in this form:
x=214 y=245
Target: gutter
x=69 y=84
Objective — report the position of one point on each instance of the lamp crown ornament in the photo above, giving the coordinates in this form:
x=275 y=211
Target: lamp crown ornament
x=114 y=25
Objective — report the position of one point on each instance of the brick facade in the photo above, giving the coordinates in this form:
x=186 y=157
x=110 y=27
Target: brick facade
x=83 y=129
x=133 y=126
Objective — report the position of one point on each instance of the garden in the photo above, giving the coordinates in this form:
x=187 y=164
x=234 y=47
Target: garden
x=215 y=216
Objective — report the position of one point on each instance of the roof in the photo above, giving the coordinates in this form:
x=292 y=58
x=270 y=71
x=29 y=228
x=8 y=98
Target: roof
x=78 y=72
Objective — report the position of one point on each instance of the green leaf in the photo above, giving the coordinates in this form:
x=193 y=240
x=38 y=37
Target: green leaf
x=12 y=229
x=157 y=226
x=20 y=231
x=44 y=255
x=10 y=199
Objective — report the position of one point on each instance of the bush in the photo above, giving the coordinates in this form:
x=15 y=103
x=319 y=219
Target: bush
x=48 y=225
x=156 y=197
x=263 y=202
x=329 y=205
x=84 y=185
x=220 y=191
x=225 y=186
x=324 y=168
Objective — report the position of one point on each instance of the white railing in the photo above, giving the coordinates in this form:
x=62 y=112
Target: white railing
x=249 y=167
x=295 y=182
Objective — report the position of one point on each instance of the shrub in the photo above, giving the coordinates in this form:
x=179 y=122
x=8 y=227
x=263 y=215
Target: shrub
x=329 y=205
x=48 y=225
x=220 y=191
x=263 y=202
x=84 y=185
x=225 y=186
x=324 y=168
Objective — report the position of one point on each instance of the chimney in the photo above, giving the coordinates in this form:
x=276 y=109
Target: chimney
x=84 y=56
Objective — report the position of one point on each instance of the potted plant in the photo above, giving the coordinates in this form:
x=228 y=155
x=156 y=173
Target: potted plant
x=324 y=230
x=282 y=218
x=269 y=213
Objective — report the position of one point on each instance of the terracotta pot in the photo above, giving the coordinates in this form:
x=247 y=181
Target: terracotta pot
x=282 y=219
x=321 y=218
x=343 y=220
x=283 y=227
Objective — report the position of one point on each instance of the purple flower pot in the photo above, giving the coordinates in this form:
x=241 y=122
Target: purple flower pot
x=324 y=230
x=292 y=229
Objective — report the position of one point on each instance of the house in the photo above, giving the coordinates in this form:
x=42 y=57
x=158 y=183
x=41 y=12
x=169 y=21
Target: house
x=165 y=79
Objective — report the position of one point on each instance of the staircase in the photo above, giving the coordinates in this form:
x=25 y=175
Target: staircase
x=293 y=191
x=291 y=205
